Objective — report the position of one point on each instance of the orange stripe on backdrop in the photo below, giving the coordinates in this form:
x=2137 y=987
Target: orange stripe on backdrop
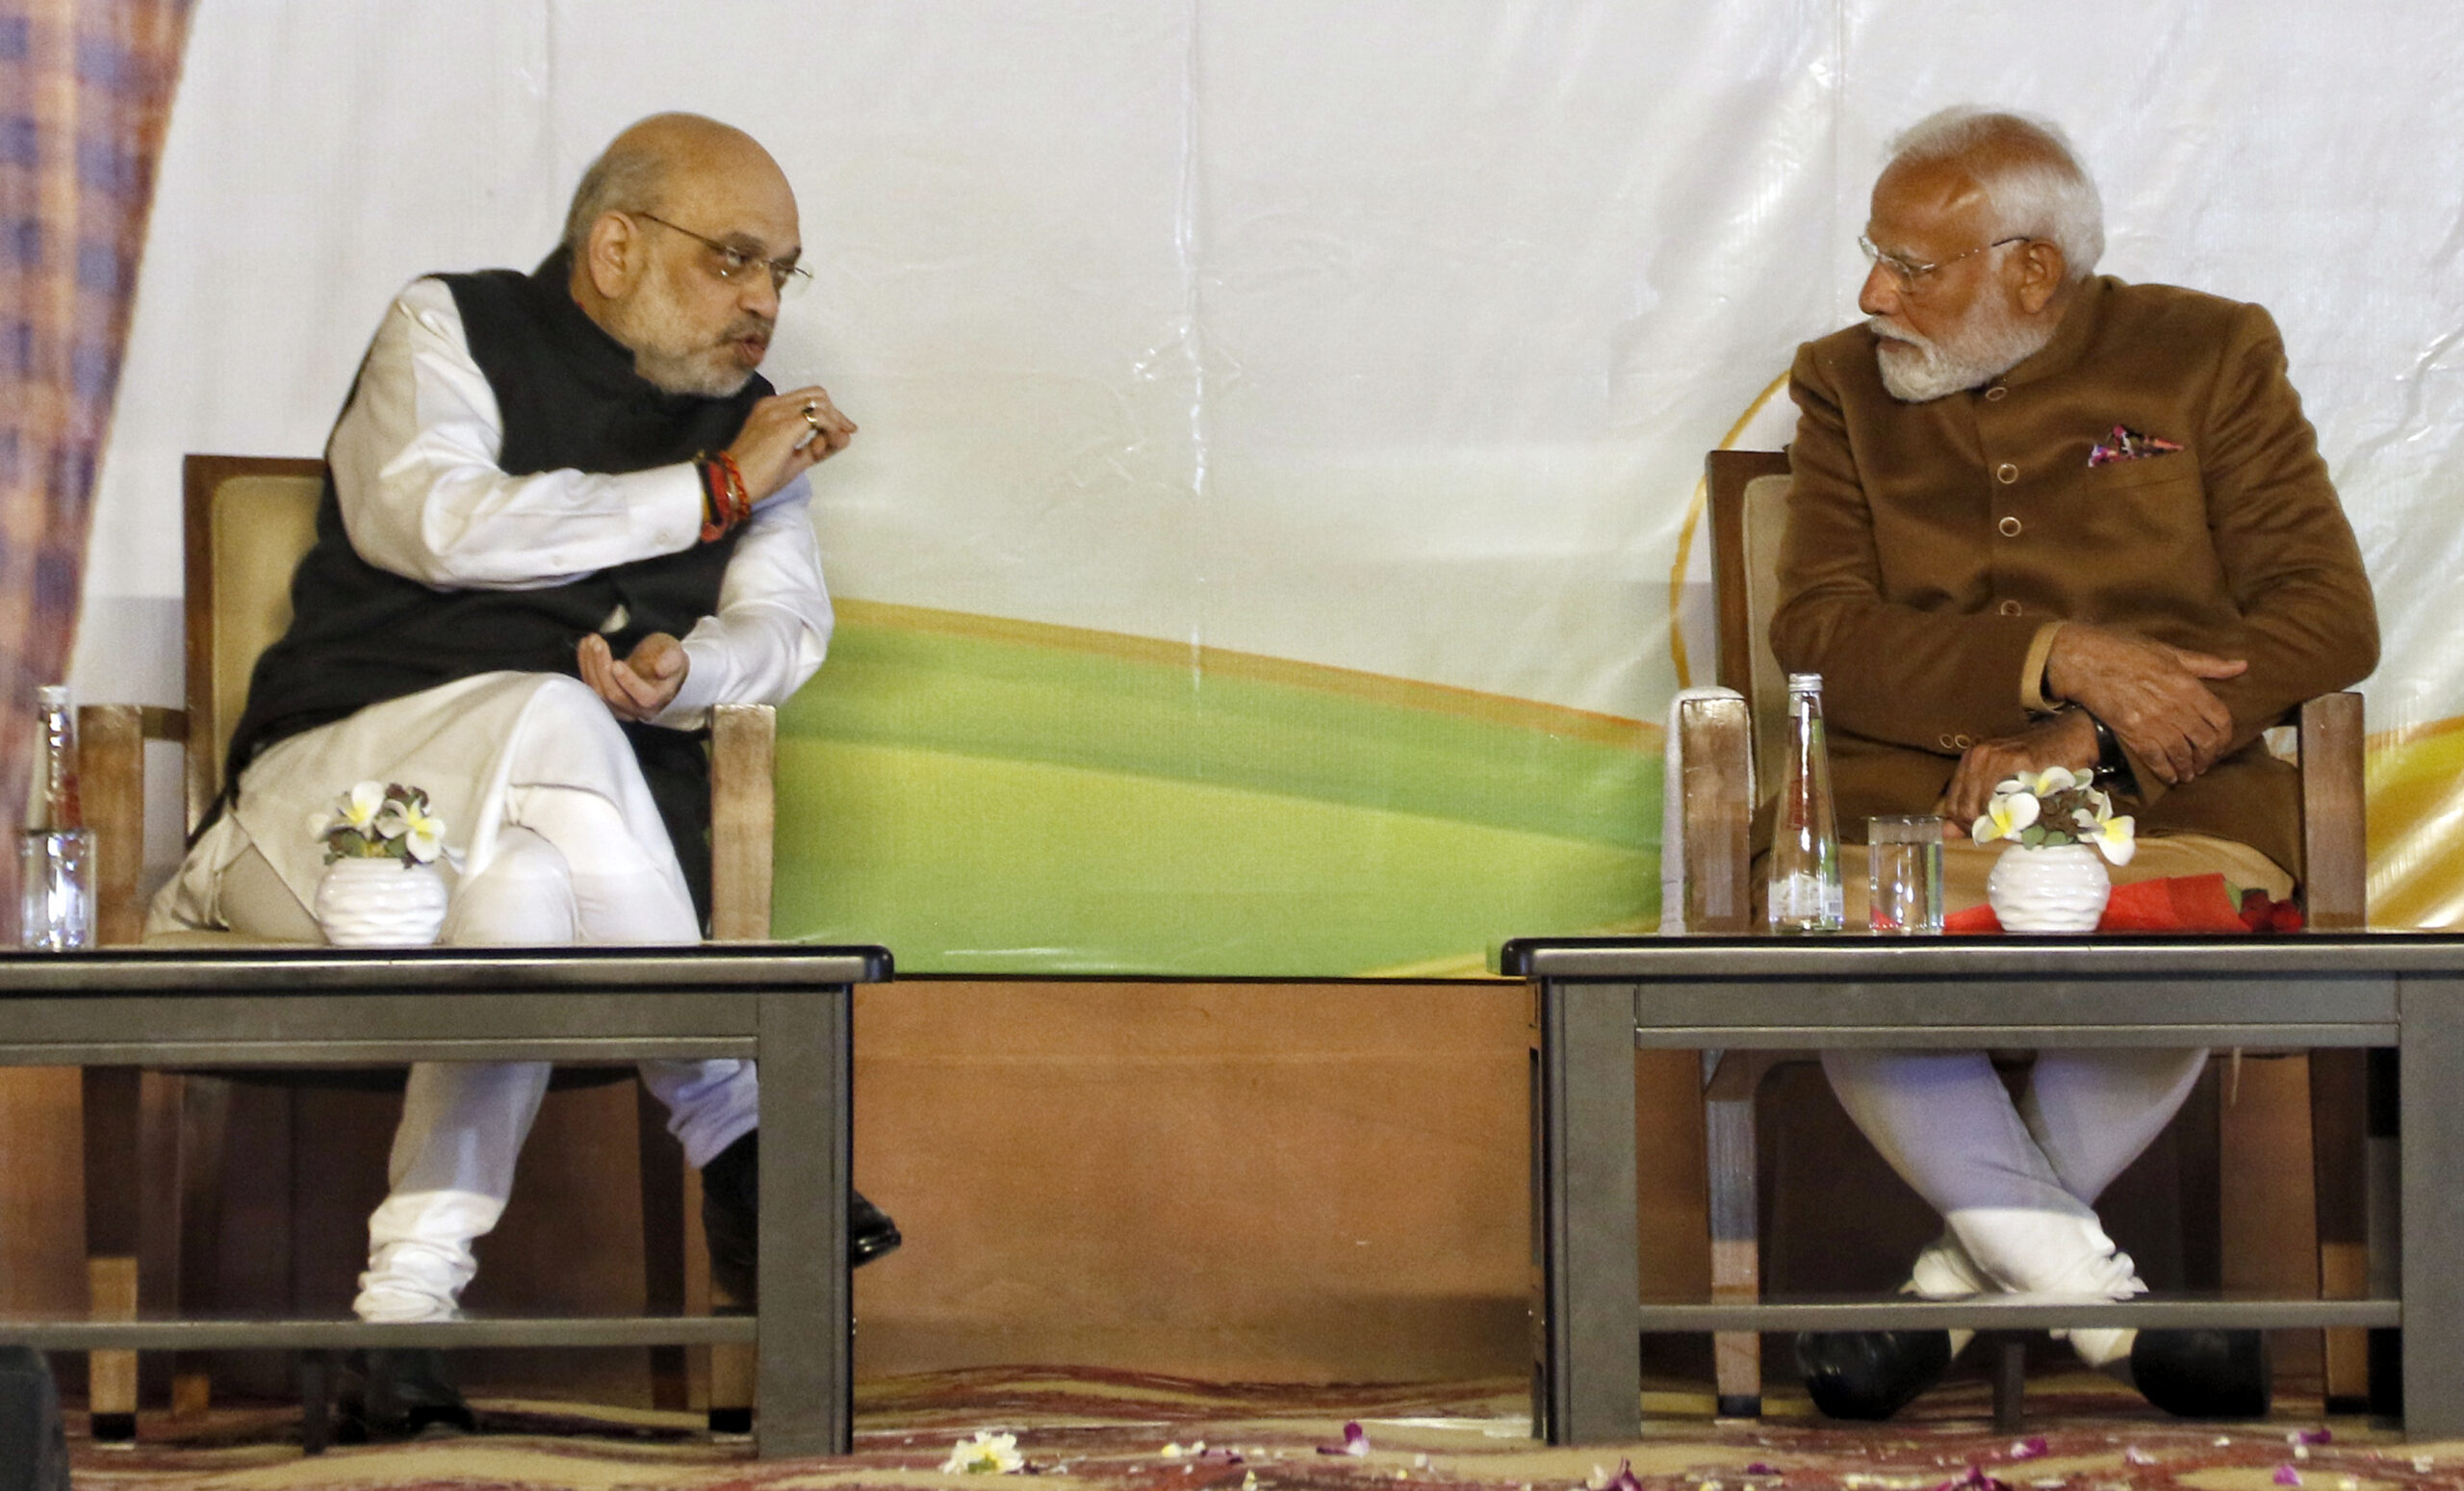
x=2416 y=796
x=85 y=91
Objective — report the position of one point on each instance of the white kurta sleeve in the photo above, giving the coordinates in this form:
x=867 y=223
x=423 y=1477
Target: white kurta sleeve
x=774 y=617
x=414 y=468
x=415 y=471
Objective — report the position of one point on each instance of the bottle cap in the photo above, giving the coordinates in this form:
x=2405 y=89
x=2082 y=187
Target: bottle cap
x=1805 y=682
x=52 y=696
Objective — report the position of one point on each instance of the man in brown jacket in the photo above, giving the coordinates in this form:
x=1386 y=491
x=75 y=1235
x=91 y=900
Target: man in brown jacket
x=2041 y=518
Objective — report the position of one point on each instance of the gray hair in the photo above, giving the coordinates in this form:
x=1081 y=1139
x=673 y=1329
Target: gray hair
x=627 y=177
x=2033 y=181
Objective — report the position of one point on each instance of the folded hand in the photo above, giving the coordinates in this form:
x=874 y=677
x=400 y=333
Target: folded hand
x=639 y=686
x=2154 y=696
x=2065 y=739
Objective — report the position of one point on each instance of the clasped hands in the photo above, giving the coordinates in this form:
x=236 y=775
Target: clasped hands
x=2152 y=696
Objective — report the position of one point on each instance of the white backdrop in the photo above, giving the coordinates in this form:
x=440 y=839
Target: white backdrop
x=1380 y=335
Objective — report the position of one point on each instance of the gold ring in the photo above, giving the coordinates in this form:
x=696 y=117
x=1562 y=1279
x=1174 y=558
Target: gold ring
x=809 y=419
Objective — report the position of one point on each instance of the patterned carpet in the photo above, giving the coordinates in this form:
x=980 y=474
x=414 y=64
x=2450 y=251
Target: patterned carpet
x=1124 y=1431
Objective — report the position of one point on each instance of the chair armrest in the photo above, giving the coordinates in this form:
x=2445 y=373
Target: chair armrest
x=2335 y=855
x=1718 y=807
x=111 y=781
x=744 y=739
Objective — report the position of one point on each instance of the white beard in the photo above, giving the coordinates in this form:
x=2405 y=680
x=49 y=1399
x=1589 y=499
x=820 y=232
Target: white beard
x=1989 y=342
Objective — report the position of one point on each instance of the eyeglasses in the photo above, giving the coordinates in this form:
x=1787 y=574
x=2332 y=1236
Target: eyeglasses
x=731 y=263
x=1912 y=276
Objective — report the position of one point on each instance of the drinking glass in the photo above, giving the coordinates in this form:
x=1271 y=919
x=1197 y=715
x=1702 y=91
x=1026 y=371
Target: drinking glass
x=56 y=881
x=1904 y=871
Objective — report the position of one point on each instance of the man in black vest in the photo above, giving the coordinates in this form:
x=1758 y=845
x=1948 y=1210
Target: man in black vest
x=565 y=518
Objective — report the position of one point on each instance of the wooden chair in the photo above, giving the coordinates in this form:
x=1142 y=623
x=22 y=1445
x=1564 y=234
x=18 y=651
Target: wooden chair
x=1748 y=493
x=154 y=1140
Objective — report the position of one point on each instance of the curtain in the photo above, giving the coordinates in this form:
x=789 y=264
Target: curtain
x=85 y=89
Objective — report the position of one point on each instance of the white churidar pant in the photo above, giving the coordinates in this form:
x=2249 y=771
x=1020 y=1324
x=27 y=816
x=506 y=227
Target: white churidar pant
x=2016 y=1181
x=558 y=842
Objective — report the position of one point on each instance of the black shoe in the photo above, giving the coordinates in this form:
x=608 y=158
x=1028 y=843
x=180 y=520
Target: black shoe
x=388 y=1395
x=870 y=1233
x=1871 y=1374
x=732 y=1201
x=2203 y=1373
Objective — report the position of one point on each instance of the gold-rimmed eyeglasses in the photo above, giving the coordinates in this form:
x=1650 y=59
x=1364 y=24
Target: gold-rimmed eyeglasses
x=731 y=263
x=1913 y=277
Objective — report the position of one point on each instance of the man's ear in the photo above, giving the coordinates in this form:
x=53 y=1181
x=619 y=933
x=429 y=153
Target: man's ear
x=611 y=254
x=2041 y=271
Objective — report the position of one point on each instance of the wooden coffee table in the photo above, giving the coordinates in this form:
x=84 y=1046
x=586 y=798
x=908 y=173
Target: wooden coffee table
x=788 y=1007
x=1596 y=1001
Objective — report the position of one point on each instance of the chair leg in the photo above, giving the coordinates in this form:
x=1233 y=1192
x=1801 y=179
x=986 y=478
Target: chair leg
x=726 y=1372
x=2383 y=1204
x=732 y=1369
x=1731 y=1080
x=112 y=1163
x=2338 y=1080
x=316 y=1400
x=204 y=1126
x=662 y=1181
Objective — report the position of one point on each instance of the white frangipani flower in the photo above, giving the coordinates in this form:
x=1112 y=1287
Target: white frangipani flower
x=2009 y=815
x=987 y=1453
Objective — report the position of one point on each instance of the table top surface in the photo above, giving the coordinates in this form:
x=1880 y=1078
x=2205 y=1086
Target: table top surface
x=223 y=970
x=2092 y=955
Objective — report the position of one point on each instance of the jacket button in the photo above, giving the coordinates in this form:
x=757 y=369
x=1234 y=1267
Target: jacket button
x=2009 y=527
x=1962 y=741
x=1945 y=741
x=2006 y=474
x=2008 y=607
x=1996 y=392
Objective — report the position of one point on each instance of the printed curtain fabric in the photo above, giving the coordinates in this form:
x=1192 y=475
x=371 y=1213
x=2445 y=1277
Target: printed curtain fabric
x=85 y=90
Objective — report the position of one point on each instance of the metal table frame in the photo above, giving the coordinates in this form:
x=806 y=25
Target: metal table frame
x=1596 y=1001
x=789 y=1008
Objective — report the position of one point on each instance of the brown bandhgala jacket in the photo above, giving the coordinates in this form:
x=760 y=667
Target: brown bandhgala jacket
x=1933 y=548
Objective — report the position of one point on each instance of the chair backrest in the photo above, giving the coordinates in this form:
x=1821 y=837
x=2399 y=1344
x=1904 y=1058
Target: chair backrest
x=248 y=520
x=1748 y=492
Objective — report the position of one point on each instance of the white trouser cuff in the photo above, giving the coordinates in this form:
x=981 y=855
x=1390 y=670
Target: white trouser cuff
x=418 y=1253
x=1943 y=1271
x=2050 y=1254
x=710 y=1104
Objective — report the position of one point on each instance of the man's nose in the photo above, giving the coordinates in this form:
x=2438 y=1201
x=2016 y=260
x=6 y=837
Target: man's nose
x=758 y=296
x=1881 y=294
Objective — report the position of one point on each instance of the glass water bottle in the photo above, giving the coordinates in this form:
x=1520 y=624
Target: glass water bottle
x=56 y=852
x=1804 y=895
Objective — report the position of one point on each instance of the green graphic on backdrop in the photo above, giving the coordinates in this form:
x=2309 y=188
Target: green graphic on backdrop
x=987 y=796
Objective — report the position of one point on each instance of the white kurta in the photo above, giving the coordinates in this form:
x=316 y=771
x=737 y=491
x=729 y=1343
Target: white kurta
x=549 y=821
x=414 y=459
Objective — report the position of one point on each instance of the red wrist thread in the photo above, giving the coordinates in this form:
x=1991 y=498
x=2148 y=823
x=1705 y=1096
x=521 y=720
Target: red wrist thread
x=740 y=497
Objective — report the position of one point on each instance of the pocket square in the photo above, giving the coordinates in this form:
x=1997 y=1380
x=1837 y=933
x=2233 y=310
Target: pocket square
x=2129 y=445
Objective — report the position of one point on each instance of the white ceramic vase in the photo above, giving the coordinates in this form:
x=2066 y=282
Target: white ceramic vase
x=2058 y=888
x=380 y=903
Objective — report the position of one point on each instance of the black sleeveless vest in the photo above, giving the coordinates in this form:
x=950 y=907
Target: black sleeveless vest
x=570 y=400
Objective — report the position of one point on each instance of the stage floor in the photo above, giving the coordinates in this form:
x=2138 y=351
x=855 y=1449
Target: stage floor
x=1124 y=1431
